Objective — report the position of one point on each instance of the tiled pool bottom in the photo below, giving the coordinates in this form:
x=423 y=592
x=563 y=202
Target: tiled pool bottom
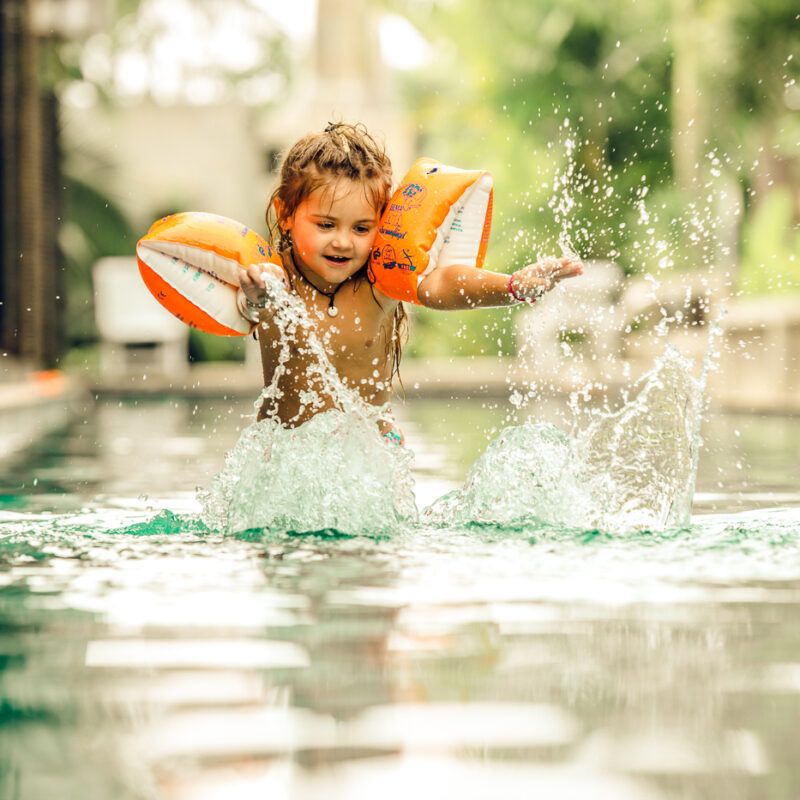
x=142 y=657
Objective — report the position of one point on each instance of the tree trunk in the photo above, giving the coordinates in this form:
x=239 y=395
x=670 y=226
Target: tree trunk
x=686 y=124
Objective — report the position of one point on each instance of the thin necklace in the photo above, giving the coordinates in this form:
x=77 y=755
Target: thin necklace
x=332 y=310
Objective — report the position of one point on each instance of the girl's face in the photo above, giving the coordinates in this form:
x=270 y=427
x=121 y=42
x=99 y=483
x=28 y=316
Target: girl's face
x=333 y=230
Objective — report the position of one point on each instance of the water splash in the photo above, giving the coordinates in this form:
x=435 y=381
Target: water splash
x=333 y=472
x=642 y=460
x=323 y=386
x=629 y=470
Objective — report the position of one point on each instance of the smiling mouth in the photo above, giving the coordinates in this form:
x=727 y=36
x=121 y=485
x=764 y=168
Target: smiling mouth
x=337 y=259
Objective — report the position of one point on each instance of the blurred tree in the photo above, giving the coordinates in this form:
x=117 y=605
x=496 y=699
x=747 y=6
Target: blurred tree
x=765 y=134
x=172 y=52
x=620 y=129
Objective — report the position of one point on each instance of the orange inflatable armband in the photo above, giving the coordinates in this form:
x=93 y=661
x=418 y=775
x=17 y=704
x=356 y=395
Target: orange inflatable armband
x=190 y=263
x=438 y=216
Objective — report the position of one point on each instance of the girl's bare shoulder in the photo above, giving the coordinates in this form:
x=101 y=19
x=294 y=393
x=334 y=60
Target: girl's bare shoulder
x=370 y=293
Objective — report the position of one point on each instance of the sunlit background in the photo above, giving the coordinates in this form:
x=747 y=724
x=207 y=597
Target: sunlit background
x=659 y=139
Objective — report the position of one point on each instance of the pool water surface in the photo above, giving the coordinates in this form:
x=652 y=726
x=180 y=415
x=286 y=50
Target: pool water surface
x=145 y=656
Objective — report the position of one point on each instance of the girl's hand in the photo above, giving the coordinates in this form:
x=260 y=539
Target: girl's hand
x=253 y=281
x=533 y=281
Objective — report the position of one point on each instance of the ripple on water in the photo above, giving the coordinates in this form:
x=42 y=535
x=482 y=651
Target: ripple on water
x=525 y=559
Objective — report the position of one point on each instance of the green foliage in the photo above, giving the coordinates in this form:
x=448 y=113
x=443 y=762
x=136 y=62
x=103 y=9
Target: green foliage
x=766 y=35
x=105 y=228
x=771 y=247
x=523 y=70
x=573 y=106
x=544 y=97
x=440 y=334
x=208 y=347
x=93 y=227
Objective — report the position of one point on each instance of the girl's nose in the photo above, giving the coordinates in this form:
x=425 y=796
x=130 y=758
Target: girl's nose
x=341 y=240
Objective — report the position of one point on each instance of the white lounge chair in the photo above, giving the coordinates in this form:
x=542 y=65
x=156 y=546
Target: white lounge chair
x=137 y=334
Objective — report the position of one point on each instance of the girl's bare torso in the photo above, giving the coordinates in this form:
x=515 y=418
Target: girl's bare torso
x=357 y=342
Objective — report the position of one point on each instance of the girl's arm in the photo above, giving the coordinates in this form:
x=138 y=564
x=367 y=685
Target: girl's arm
x=458 y=286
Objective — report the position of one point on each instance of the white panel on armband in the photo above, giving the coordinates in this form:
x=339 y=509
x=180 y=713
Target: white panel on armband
x=210 y=294
x=458 y=238
x=226 y=269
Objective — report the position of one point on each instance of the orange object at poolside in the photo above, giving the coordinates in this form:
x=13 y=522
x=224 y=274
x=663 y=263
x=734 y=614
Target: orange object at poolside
x=438 y=216
x=190 y=263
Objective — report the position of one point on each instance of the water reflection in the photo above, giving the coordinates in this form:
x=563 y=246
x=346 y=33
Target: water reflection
x=143 y=657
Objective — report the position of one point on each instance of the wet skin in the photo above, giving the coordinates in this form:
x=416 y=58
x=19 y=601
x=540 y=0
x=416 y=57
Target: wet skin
x=332 y=234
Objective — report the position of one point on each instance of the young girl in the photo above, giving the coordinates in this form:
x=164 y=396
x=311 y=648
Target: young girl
x=333 y=188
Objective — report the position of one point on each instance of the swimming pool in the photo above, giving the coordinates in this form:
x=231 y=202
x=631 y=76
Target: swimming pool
x=143 y=656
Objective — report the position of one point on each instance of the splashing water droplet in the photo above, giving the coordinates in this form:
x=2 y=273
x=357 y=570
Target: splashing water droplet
x=334 y=472
x=629 y=470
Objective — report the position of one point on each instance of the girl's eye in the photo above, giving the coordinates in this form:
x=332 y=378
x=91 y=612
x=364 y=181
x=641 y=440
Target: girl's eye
x=325 y=226
x=362 y=229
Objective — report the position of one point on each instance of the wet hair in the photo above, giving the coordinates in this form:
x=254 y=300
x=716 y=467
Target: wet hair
x=317 y=160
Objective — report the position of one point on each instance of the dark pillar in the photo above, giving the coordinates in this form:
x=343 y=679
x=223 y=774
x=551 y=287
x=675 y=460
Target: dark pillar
x=29 y=277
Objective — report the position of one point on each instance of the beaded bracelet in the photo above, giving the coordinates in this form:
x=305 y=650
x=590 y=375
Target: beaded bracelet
x=511 y=291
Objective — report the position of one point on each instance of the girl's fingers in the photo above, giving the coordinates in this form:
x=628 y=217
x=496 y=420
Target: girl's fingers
x=567 y=268
x=547 y=273
x=543 y=275
x=251 y=277
x=268 y=272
